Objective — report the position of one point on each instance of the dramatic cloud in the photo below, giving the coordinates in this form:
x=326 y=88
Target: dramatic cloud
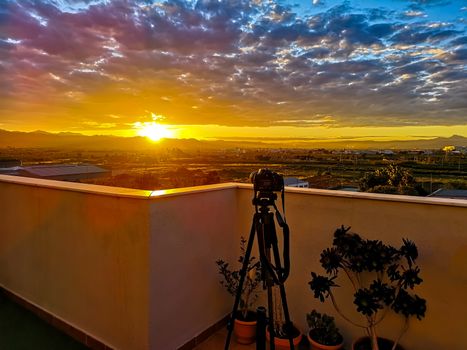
x=79 y=64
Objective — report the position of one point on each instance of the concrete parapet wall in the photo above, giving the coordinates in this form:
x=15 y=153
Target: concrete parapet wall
x=82 y=257
x=188 y=234
x=438 y=227
x=136 y=269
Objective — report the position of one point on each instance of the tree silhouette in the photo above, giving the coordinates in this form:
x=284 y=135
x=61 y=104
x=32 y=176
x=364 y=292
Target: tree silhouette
x=391 y=179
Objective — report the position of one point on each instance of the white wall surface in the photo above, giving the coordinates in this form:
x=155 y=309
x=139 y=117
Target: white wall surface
x=188 y=234
x=137 y=269
x=78 y=254
x=438 y=227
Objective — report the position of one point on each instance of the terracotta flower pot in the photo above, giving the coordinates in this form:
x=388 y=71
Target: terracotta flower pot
x=364 y=343
x=245 y=331
x=283 y=344
x=318 y=346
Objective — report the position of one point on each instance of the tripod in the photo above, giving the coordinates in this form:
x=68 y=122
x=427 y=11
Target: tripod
x=263 y=227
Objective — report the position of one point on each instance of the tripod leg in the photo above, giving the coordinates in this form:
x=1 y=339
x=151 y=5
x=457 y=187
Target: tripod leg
x=272 y=334
x=264 y=254
x=288 y=323
x=261 y=328
x=243 y=271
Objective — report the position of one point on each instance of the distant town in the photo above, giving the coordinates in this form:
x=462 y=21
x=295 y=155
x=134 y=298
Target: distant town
x=435 y=171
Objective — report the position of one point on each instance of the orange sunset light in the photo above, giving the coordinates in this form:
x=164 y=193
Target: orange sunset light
x=154 y=130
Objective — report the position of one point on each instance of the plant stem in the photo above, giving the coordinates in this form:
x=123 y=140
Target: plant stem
x=340 y=312
x=404 y=329
x=247 y=299
x=385 y=312
x=350 y=278
x=359 y=280
x=374 y=338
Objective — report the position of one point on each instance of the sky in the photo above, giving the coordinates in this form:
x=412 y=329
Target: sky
x=318 y=69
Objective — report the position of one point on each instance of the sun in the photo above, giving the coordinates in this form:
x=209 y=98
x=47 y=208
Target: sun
x=154 y=131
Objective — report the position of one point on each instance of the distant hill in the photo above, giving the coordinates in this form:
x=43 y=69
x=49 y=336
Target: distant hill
x=66 y=140
x=42 y=139
x=434 y=143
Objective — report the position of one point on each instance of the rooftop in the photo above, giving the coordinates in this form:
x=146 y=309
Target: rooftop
x=447 y=193
x=65 y=172
x=294 y=182
x=62 y=169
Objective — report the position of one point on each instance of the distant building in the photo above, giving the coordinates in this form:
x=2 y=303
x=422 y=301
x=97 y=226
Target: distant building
x=6 y=163
x=9 y=166
x=445 y=193
x=294 y=182
x=64 y=172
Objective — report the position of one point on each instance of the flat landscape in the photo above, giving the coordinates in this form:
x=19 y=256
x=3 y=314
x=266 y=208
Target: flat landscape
x=164 y=168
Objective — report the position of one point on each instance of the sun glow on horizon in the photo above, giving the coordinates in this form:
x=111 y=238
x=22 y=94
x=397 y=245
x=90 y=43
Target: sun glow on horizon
x=154 y=130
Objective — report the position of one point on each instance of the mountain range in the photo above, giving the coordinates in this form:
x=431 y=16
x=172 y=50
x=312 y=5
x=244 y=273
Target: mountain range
x=66 y=140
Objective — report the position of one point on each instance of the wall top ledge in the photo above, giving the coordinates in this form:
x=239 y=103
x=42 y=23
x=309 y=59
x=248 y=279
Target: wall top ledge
x=76 y=187
x=372 y=196
x=154 y=195
x=112 y=191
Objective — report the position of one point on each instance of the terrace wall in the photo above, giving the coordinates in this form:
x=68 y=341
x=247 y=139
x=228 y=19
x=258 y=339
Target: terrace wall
x=189 y=232
x=136 y=269
x=438 y=227
x=80 y=253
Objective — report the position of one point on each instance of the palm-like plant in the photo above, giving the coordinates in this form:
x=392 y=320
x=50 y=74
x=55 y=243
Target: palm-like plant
x=395 y=274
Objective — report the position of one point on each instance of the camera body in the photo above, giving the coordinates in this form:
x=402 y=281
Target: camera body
x=265 y=180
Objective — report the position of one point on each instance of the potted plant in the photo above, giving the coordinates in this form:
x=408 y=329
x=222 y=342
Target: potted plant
x=281 y=333
x=382 y=278
x=245 y=319
x=323 y=334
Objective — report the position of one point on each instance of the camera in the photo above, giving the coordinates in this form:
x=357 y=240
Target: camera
x=265 y=180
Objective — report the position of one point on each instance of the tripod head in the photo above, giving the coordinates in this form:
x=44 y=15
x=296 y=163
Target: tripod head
x=264 y=199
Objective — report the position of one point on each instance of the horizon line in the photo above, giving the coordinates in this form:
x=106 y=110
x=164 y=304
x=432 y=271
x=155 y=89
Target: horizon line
x=263 y=139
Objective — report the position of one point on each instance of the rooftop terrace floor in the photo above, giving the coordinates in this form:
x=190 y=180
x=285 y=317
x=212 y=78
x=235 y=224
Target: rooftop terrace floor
x=20 y=329
x=217 y=342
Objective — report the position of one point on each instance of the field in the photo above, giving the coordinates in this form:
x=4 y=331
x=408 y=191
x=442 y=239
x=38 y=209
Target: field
x=173 y=167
